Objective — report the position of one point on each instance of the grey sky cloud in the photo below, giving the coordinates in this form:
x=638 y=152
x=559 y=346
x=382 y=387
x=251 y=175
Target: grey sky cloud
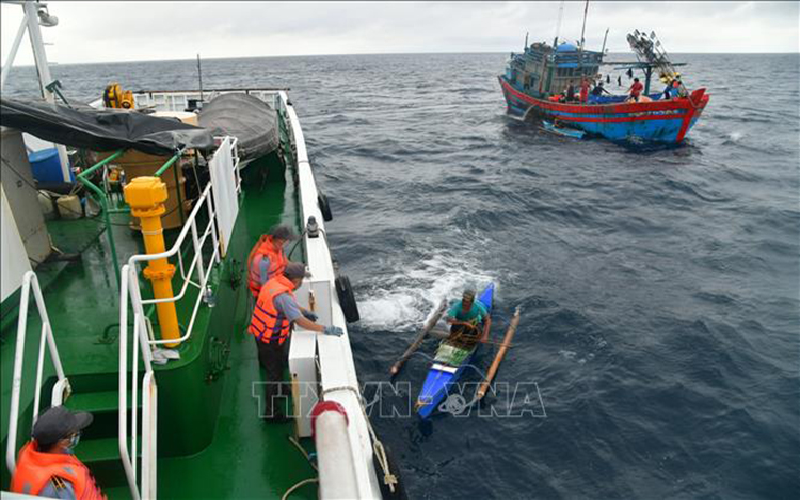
x=124 y=31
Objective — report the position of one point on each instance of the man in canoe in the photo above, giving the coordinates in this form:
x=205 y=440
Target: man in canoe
x=465 y=318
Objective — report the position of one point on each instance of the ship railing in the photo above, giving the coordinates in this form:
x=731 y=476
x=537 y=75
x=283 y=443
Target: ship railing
x=61 y=389
x=181 y=100
x=220 y=201
x=145 y=485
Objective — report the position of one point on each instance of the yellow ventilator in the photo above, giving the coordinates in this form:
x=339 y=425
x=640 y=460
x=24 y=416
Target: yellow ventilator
x=146 y=196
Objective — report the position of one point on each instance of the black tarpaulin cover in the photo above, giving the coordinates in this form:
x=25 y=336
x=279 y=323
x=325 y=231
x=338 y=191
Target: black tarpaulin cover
x=102 y=129
x=246 y=117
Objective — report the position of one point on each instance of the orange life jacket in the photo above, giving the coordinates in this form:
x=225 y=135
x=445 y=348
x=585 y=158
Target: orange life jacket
x=277 y=263
x=268 y=323
x=35 y=469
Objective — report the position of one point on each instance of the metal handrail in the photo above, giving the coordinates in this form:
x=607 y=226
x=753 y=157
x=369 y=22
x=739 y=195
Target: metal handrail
x=197 y=263
x=149 y=402
x=143 y=483
x=29 y=280
x=102 y=196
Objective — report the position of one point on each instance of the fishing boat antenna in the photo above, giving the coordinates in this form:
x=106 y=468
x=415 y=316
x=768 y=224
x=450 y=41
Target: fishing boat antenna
x=526 y=40
x=583 y=29
x=558 y=24
x=605 y=39
x=583 y=40
x=200 y=77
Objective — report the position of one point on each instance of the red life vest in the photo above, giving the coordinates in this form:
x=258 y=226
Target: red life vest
x=268 y=323
x=277 y=263
x=35 y=469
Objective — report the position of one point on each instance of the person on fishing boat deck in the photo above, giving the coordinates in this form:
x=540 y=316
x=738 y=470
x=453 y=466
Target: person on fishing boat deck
x=267 y=259
x=275 y=313
x=570 y=92
x=465 y=315
x=598 y=90
x=584 y=94
x=635 y=89
x=682 y=92
x=47 y=465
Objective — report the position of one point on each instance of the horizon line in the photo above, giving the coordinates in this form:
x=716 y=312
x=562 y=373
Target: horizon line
x=362 y=54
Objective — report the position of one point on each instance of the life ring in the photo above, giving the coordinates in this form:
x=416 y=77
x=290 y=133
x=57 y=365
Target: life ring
x=324 y=207
x=346 y=299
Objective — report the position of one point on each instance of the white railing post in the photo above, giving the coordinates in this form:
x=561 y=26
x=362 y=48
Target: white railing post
x=211 y=219
x=29 y=281
x=198 y=253
x=143 y=484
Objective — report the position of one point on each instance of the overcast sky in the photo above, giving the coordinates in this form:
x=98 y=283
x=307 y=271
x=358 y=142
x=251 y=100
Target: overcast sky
x=136 y=31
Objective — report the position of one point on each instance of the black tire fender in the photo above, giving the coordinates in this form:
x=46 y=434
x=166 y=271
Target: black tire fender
x=324 y=207
x=346 y=299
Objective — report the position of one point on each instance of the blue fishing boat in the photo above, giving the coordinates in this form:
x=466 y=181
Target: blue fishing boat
x=542 y=82
x=448 y=366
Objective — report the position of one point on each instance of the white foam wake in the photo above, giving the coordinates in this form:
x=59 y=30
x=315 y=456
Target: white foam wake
x=405 y=300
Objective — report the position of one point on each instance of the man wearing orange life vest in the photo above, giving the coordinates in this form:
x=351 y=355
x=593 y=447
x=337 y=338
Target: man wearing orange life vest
x=274 y=314
x=267 y=259
x=46 y=465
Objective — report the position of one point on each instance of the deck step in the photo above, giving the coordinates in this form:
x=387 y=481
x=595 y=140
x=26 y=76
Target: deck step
x=102 y=458
x=95 y=402
x=103 y=406
x=100 y=450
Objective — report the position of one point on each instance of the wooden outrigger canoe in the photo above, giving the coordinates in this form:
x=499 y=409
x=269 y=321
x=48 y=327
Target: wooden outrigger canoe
x=448 y=366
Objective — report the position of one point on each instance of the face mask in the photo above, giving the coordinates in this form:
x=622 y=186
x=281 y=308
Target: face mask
x=73 y=442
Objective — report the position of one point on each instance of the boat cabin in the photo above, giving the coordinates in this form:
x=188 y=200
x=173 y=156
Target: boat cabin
x=541 y=71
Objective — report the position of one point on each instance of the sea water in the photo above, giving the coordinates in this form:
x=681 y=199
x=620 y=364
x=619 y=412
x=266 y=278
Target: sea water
x=659 y=286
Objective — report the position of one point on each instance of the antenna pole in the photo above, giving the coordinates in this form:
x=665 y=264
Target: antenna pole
x=558 y=25
x=583 y=40
x=605 y=38
x=200 y=77
x=583 y=29
x=526 y=40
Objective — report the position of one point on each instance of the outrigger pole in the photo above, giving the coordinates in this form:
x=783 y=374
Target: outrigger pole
x=395 y=369
x=512 y=327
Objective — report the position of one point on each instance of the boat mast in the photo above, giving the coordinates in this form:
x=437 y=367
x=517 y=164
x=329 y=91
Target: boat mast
x=200 y=77
x=605 y=38
x=34 y=14
x=558 y=24
x=583 y=40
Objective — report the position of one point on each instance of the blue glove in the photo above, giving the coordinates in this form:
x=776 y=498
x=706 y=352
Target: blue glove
x=310 y=315
x=333 y=330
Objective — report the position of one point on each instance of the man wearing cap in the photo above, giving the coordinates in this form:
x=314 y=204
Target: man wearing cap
x=47 y=466
x=465 y=315
x=267 y=258
x=274 y=314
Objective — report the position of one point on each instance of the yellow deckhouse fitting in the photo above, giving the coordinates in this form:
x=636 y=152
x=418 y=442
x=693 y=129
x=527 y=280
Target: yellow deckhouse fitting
x=146 y=197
